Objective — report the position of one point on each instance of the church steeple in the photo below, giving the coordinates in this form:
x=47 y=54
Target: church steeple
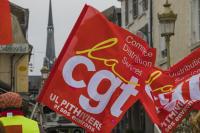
x=50 y=47
x=50 y=22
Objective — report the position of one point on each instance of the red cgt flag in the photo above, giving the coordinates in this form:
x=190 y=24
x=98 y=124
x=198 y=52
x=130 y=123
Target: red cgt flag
x=5 y=23
x=98 y=73
x=185 y=95
x=175 y=92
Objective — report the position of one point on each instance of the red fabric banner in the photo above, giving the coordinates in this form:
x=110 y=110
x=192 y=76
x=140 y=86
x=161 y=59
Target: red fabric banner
x=104 y=69
x=97 y=76
x=175 y=92
x=5 y=23
x=187 y=67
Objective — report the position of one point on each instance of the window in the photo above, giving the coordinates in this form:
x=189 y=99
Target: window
x=142 y=118
x=126 y=12
x=119 y=19
x=140 y=7
x=143 y=33
x=145 y=5
x=163 y=48
x=195 y=21
x=135 y=9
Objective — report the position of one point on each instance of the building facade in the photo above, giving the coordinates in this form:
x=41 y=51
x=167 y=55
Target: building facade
x=183 y=42
x=14 y=58
x=136 y=14
x=141 y=17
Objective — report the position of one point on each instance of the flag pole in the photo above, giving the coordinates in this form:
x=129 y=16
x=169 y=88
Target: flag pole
x=34 y=109
x=45 y=74
x=158 y=129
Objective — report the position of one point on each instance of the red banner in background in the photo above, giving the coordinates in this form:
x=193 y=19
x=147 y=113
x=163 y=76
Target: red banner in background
x=175 y=92
x=5 y=23
x=187 y=67
x=98 y=74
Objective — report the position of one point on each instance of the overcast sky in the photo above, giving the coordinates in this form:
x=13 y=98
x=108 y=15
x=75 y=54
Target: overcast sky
x=65 y=13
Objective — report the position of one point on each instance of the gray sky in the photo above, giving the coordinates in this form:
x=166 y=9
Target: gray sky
x=65 y=13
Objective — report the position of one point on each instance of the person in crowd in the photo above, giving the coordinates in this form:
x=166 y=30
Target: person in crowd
x=12 y=119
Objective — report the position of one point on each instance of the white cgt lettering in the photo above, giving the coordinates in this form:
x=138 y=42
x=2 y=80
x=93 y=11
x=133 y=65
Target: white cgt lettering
x=103 y=99
x=177 y=94
x=97 y=78
x=128 y=90
x=69 y=67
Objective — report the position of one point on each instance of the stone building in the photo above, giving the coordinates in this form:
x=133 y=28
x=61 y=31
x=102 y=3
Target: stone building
x=143 y=14
x=187 y=28
x=14 y=58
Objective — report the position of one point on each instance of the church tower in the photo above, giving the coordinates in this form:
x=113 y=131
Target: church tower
x=50 y=47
